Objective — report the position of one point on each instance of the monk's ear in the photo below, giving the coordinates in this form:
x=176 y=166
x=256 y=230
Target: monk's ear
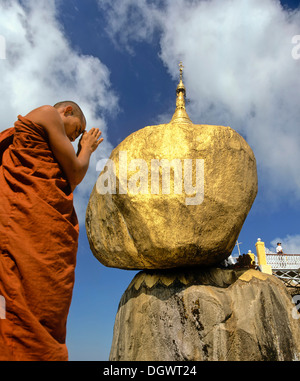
x=68 y=110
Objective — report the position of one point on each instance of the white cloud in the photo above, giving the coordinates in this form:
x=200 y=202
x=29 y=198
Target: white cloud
x=42 y=68
x=239 y=71
x=131 y=21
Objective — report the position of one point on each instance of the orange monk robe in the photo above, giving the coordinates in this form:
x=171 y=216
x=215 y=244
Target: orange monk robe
x=38 y=245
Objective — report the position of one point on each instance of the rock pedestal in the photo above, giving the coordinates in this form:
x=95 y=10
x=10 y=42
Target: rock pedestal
x=213 y=314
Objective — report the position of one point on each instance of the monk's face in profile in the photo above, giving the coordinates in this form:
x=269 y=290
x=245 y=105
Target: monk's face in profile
x=74 y=124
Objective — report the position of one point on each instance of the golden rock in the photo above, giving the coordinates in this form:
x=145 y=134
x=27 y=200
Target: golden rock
x=172 y=195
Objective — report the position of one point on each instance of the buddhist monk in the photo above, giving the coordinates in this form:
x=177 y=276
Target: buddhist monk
x=39 y=170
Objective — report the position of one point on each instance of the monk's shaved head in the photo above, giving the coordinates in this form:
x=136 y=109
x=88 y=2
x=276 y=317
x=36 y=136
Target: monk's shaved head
x=76 y=109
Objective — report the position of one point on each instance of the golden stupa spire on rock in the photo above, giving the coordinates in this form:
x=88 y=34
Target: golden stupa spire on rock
x=180 y=114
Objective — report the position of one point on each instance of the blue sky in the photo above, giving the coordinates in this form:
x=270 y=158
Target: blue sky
x=119 y=61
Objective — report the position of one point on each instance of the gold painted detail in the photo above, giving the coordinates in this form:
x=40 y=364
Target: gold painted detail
x=215 y=276
x=151 y=280
x=248 y=275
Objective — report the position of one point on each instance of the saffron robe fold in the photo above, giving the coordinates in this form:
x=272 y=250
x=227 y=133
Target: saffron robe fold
x=38 y=245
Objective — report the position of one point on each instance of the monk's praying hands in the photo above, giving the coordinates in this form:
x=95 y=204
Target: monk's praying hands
x=90 y=140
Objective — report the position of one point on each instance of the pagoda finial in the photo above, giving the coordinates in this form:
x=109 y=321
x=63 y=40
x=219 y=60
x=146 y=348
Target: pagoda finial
x=180 y=69
x=180 y=86
x=180 y=114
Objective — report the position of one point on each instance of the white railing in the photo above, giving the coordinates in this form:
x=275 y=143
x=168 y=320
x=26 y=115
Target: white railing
x=283 y=261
